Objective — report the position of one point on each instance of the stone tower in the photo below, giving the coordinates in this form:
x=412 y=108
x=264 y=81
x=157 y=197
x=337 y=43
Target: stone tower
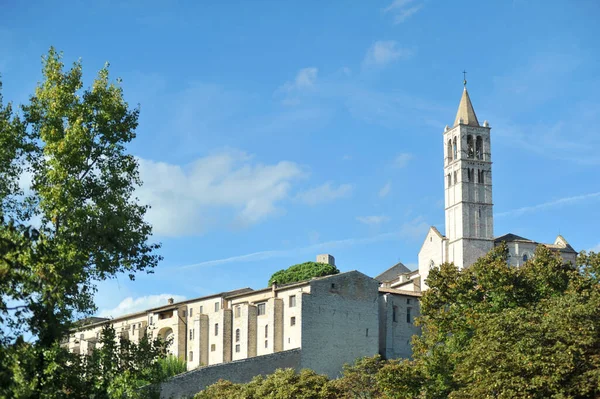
x=468 y=186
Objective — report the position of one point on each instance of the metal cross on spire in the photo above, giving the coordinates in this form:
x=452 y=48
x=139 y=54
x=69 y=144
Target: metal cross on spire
x=465 y=78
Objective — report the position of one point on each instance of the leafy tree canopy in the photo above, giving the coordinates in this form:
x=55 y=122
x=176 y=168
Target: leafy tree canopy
x=302 y=271
x=75 y=222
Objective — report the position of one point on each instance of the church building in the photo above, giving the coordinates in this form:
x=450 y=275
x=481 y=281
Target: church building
x=469 y=232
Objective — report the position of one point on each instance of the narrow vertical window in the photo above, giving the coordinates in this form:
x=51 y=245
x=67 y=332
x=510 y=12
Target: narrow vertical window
x=266 y=343
x=237 y=348
x=293 y=321
x=449 y=150
x=216 y=328
x=238 y=311
x=201 y=309
x=190 y=333
x=454 y=149
x=237 y=335
x=479 y=148
x=267 y=331
x=449 y=180
x=216 y=306
x=455 y=177
x=394 y=313
x=292 y=301
x=408 y=315
x=470 y=147
x=191 y=356
x=191 y=311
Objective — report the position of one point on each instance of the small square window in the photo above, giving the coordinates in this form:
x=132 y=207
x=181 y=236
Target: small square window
x=292 y=302
x=237 y=348
x=262 y=309
x=293 y=321
x=213 y=347
x=332 y=286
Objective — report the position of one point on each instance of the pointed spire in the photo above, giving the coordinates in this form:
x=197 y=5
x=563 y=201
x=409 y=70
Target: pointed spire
x=466 y=113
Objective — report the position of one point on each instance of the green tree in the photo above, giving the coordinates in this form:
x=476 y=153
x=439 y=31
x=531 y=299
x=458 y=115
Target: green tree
x=302 y=271
x=88 y=224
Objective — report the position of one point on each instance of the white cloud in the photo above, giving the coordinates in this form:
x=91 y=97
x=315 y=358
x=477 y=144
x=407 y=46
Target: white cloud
x=305 y=79
x=383 y=52
x=324 y=193
x=550 y=204
x=185 y=200
x=372 y=220
x=402 y=10
x=411 y=230
x=402 y=159
x=131 y=305
x=595 y=249
x=385 y=190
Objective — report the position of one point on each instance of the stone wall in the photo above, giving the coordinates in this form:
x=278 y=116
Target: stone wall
x=188 y=384
x=340 y=322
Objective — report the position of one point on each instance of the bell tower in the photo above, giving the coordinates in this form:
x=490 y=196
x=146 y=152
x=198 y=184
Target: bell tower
x=468 y=186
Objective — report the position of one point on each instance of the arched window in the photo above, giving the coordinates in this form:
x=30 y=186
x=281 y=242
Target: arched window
x=524 y=257
x=469 y=177
x=454 y=149
x=449 y=151
x=449 y=180
x=479 y=148
x=267 y=331
x=482 y=176
x=470 y=147
x=237 y=335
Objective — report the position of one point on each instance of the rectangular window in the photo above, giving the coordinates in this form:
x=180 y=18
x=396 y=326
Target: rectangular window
x=191 y=356
x=266 y=343
x=191 y=334
x=81 y=336
x=184 y=313
x=238 y=311
x=237 y=348
x=293 y=321
x=266 y=331
x=216 y=328
x=292 y=301
x=150 y=319
x=367 y=333
x=216 y=306
x=201 y=309
x=408 y=316
x=394 y=314
x=408 y=301
x=237 y=335
x=191 y=311
x=262 y=309
x=213 y=347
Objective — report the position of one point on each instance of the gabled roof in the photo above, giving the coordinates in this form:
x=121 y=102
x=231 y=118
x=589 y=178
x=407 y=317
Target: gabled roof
x=466 y=111
x=510 y=237
x=560 y=244
x=392 y=272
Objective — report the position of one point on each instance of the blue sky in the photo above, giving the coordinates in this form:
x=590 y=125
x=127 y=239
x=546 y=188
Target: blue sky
x=272 y=131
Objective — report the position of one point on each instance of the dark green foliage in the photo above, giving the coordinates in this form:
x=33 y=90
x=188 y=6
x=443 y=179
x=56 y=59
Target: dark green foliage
x=302 y=271
x=282 y=384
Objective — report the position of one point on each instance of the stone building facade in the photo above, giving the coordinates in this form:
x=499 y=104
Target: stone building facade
x=332 y=320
